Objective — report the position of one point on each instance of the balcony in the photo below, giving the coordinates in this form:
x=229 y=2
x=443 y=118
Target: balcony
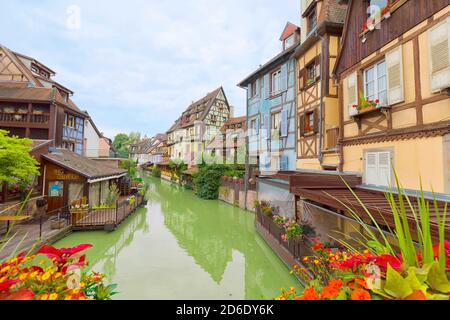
x=18 y=119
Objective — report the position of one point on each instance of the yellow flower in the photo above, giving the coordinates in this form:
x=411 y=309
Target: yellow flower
x=316 y=262
x=5 y=269
x=44 y=297
x=366 y=251
x=82 y=285
x=33 y=275
x=46 y=276
x=23 y=276
x=53 y=296
x=57 y=275
x=305 y=259
x=3 y=279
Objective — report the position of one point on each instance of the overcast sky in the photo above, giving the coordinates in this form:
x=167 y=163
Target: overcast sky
x=135 y=65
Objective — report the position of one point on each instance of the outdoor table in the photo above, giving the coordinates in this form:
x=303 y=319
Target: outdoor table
x=8 y=219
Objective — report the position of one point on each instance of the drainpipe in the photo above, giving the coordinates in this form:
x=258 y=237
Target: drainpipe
x=247 y=156
x=322 y=93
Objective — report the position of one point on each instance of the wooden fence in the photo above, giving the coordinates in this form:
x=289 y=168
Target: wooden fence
x=99 y=219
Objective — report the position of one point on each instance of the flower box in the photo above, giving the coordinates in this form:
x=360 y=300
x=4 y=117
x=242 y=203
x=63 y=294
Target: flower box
x=58 y=224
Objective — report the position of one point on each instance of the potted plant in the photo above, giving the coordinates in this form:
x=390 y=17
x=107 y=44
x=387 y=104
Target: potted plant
x=22 y=110
x=38 y=111
x=9 y=110
x=366 y=105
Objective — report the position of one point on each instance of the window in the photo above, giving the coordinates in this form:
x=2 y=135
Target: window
x=70 y=121
x=276 y=82
x=276 y=122
x=375 y=84
x=289 y=42
x=312 y=20
x=378 y=168
x=34 y=69
x=56 y=189
x=253 y=91
x=311 y=74
x=253 y=126
x=309 y=122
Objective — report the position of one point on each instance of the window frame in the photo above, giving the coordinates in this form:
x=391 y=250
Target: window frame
x=375 y=80
x=311 y=19
x=291 y=37
x=275 y=125
x=275 y=77
x=309 y=122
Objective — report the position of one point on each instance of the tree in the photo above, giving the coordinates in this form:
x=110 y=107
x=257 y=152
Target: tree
x=134 y=137
x=120 y=143
x=16 y=163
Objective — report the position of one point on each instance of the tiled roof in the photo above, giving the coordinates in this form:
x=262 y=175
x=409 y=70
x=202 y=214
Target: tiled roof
x=83 y=166
x=236 y=121
x=37 y=144
x=288 y=31
x=197 y=111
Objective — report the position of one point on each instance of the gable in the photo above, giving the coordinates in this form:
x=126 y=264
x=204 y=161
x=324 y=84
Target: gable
x=9 y=71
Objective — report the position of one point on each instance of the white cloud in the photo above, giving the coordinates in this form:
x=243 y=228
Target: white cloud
x=136 y=65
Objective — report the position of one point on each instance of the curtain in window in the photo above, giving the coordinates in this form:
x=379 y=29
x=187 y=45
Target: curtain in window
x=75 y=191
x=94 y=194
x=105 y=190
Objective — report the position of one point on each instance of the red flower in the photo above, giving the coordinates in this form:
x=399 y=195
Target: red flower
x=21 y=295
x=64 y=255
x=377 y=101
x=384 y=260
x=8 y=284
x=318 y=246
x=361 y=294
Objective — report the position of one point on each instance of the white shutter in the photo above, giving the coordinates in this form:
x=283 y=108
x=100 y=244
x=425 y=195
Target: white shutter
x=352 y=93
x=384 y=169
x=371 y=168
x=439 y=50
x=266 y=132
x=378 y=168
x=394 y=68
x=250 y=93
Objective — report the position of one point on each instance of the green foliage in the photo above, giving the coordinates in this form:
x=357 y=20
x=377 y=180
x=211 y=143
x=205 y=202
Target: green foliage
x=131 y=167
x=131 y=200
x=207 y=181
x=103 y=206
x=156 y=172
x=102 y=292
x=120 y=143
x=113 y=195
x=16 y=163
x=178 y=166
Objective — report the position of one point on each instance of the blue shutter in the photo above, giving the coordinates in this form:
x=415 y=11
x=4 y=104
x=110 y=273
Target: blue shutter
x=258 y=88
x=266 y=126
x=249 y=90
x=266 y=86
x=284 y=123
x=284 y=163
x=284 y=77
x=257 y=125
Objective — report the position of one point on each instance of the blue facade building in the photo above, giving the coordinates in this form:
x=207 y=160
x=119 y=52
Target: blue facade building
x=271 y=108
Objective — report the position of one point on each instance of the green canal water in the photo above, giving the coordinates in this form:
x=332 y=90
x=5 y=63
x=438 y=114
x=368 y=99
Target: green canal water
x=181 y=247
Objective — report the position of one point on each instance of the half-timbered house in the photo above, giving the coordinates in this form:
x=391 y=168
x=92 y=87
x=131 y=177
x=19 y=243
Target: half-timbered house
x=394 y=76
x=197 y=126
x=317 y=102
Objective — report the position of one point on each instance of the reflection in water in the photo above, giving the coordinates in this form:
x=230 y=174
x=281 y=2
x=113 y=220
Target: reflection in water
x=182 y=247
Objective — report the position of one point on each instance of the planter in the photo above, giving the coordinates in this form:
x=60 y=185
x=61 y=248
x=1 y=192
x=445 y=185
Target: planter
x=77 y=215
x=367 y=109
x=58 y=224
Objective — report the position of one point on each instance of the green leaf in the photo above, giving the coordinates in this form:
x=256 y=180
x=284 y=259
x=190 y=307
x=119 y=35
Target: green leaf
x=396 y=285
x=438 y=280
x=376 y=246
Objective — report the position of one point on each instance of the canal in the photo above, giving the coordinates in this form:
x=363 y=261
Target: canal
x=181 y=247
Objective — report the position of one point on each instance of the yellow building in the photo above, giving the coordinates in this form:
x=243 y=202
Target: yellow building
x=399 y=58
x=317 y=94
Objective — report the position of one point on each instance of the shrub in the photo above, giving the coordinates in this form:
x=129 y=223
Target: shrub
x=156 y=172
x=207 y=181
x=113 y=196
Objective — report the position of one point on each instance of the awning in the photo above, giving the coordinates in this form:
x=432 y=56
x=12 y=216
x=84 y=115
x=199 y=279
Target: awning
x=375 y=201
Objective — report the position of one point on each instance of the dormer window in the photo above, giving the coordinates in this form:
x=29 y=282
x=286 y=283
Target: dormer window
x=34 y=69
x=289 y=42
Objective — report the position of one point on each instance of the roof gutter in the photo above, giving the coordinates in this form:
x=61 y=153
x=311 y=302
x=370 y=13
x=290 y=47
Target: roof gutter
x=95 y=180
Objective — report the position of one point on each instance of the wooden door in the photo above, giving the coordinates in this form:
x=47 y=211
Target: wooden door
x=55 y=195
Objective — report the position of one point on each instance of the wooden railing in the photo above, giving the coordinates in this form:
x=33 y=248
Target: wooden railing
x=332 y=138
x=298 y=248
x=102 y=218
x=43 y=118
